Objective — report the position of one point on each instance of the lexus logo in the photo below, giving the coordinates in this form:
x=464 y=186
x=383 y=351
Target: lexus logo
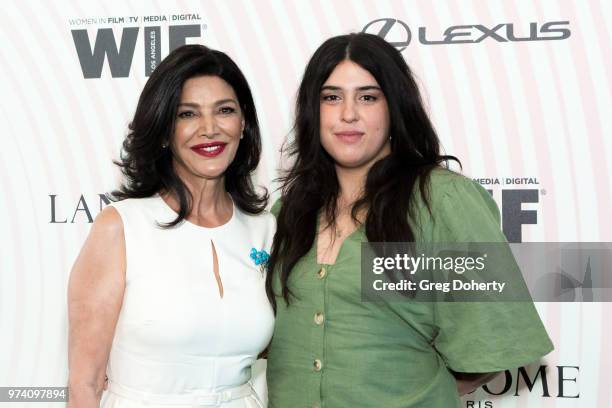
x=392 y=28
x=398 y=34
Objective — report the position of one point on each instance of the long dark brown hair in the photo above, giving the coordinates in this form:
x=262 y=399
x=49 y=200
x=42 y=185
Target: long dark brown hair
x=147 y=164
x=311 y=186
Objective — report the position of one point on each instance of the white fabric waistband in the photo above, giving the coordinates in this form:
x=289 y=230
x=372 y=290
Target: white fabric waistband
x=190 y=398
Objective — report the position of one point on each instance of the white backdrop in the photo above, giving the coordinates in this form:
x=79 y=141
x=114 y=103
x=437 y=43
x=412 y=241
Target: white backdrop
x=537 y=111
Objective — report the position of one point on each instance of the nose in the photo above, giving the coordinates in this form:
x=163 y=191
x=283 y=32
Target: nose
x=208 y=126
x=349 y=111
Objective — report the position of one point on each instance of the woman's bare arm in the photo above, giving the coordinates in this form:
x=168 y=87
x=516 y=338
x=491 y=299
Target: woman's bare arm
x=95 y=295
x=467 y=382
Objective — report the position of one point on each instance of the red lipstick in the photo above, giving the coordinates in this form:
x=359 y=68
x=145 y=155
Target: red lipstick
x=211 y=149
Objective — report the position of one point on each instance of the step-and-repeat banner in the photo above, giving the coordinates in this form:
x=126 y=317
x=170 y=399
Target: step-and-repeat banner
x=520 y=91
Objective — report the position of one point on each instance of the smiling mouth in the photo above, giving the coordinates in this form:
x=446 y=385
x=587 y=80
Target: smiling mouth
x=209 y=149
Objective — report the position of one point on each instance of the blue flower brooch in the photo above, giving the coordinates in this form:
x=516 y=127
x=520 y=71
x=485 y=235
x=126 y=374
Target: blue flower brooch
x=260 y=258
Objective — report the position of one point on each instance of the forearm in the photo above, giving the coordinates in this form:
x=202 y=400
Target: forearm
x=87 y=361
x=87 y=371
x=84 y=395
x=468 y=382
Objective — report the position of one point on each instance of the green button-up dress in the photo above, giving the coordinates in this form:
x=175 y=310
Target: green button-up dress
x=330 y=349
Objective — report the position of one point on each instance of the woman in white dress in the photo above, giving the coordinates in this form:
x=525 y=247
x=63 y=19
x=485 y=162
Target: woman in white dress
x=167 y=305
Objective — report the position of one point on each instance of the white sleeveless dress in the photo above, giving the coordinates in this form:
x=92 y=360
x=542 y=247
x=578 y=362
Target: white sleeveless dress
x=177 y=342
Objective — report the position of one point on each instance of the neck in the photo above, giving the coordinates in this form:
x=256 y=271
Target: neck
x=209 y=198
x=211 y=205
x=352 y=184
x=352 y=179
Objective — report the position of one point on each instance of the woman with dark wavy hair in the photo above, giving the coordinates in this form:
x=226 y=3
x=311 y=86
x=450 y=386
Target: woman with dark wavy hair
x=367 y=167
x=166 y=299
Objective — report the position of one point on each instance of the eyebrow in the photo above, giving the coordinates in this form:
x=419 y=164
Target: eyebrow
x=189 y=105
x=217 y=103
x=360 y=88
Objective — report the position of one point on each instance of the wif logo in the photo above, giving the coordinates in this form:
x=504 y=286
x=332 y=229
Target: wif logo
x=398 y=34
x=92 y=52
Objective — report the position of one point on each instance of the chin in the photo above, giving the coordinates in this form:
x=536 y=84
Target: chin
x=212 y=173
x=350 y=163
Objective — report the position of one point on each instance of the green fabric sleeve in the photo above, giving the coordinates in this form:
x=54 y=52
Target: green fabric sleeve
x=478 y=337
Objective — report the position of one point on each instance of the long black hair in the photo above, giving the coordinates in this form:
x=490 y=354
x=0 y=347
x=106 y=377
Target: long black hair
x=310 y=186
x=145 y=161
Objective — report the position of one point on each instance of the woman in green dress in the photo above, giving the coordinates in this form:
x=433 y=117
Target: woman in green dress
x=367 y=167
